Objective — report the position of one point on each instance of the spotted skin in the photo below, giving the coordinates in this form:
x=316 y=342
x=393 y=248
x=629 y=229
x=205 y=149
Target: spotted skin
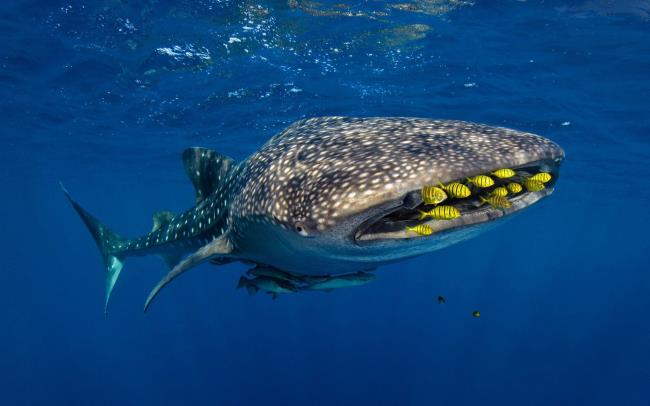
x=320 y=170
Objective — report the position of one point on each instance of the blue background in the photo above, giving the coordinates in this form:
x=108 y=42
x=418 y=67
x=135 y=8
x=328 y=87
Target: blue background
x=95 y=94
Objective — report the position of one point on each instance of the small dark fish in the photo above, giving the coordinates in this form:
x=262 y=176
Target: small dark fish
x=441 y=299
x=476 y=313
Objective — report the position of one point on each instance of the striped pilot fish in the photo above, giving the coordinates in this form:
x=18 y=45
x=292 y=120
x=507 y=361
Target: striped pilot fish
x=457 y=190
x=441 y=213
x=433 y=195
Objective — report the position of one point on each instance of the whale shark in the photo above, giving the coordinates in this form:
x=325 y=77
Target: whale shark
x=330 y=196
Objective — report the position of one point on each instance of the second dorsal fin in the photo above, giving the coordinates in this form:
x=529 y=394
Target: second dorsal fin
x=206 y=169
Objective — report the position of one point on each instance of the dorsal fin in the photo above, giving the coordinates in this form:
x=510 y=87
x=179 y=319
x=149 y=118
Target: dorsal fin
x=206 y=169
x=160 y=218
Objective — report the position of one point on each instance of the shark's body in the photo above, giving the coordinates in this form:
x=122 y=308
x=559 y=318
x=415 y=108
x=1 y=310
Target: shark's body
x=326 y=196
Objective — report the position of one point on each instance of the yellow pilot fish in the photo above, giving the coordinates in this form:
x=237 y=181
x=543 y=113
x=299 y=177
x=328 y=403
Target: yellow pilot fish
x=504 y=173
x=500 y=191
x=433 y=195
x=533 y=185
x=441 y=213
x=457 y=190
x=541 y=177
x=481 y=181
x=421 y=229
x=514 y=187
x=498 y=202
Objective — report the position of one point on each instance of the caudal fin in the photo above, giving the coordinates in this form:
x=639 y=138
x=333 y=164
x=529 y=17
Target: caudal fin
x=108 y=243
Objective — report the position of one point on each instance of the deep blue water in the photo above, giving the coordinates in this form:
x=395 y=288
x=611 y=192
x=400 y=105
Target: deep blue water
x=104 y=96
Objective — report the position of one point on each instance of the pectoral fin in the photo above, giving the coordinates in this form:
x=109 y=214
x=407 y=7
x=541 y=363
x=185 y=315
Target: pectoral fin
x=218 y=247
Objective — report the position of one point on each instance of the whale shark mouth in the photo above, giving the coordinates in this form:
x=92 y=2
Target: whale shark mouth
x=392 y=223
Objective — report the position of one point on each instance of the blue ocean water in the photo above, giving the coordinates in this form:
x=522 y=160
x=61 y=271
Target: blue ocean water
x=104 y=96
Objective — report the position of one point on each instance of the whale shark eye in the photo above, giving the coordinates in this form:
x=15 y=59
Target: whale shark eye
x=300 y=229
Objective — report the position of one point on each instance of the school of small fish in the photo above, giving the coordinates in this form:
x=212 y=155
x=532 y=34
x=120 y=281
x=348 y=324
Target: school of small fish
x=493 y=189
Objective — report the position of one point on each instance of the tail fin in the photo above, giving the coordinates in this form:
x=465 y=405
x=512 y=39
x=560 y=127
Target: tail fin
x=106 y=241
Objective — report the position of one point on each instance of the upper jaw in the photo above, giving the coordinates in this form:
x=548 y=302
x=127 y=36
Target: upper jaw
x=388 y=221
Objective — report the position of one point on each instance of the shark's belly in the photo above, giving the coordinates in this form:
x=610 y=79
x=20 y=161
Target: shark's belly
x=299 y=260
x=335 y=259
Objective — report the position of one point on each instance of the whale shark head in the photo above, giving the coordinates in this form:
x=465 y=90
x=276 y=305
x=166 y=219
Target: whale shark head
x=339 y=192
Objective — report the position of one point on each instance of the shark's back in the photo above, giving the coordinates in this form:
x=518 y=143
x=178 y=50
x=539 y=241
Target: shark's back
x=317 y=167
